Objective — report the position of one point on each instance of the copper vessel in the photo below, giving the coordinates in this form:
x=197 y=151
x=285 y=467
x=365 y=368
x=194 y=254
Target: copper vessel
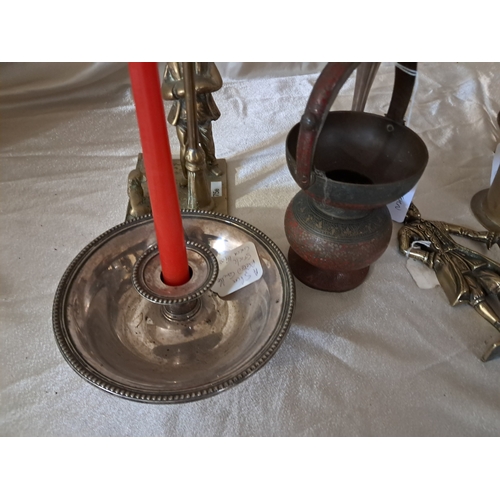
x=350 y=165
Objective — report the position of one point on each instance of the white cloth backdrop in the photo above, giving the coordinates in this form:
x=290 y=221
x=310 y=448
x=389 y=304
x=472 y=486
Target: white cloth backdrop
x=385 y=359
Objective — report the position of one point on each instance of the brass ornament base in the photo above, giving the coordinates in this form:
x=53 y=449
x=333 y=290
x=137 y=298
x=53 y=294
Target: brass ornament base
x=480 y=209
x=123 y=330
x=218 y=187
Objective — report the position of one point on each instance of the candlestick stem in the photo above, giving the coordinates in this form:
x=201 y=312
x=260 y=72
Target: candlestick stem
x=190 y=92
x=199 y=196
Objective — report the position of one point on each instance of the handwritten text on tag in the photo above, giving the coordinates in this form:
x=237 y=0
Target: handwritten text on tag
x=216 y=188
x=237 y=269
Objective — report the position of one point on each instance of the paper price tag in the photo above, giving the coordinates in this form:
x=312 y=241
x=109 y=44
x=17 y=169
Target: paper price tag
x=216 y=189
x=399 y=208
x=424 y=277
x=496 y=164
x=237 y=268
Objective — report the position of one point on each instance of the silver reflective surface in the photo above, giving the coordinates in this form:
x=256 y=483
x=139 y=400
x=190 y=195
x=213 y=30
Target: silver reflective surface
x=122 y=343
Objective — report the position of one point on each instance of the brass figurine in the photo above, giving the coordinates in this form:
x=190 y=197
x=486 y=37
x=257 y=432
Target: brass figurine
x=201 y=178
x=465 y=275
x=207 y=79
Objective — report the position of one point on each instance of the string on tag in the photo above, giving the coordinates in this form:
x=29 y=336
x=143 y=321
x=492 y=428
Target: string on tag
x=414 y=73
x=414 y=245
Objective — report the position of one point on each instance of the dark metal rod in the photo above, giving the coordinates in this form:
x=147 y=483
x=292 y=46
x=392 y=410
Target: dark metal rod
x=192 y=126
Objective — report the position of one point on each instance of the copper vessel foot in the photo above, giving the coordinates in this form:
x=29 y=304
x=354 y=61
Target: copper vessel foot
x=322 y=279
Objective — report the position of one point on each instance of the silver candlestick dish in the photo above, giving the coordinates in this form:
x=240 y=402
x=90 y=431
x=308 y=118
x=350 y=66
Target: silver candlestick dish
x=125 y=331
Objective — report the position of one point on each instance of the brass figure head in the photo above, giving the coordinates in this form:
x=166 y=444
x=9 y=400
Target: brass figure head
x=413 y=214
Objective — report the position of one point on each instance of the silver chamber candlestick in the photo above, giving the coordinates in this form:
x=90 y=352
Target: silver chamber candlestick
x=125 y=331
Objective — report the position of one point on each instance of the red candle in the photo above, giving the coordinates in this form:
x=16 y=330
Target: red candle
x=159 y=172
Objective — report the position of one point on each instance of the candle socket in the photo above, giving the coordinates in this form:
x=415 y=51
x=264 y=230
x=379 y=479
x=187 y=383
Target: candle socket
x=181 y=312
x=178 y=303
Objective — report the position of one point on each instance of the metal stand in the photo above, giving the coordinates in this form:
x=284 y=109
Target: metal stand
x=217 y=183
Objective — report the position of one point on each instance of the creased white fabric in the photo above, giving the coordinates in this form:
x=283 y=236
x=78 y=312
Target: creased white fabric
x=385 y=359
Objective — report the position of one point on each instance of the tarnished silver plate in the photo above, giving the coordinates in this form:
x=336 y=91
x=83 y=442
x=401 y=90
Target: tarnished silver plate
x=120 y=342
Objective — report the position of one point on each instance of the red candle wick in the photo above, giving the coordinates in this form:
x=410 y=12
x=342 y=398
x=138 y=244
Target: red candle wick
x=160 y=175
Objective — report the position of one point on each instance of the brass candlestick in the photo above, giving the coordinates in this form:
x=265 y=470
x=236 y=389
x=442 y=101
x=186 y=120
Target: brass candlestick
x=486 y=203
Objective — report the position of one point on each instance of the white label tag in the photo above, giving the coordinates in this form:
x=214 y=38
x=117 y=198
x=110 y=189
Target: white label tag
x=399 y=208
x=424 y=277
x=237 y=269
x=496 y=164
x=216 y=188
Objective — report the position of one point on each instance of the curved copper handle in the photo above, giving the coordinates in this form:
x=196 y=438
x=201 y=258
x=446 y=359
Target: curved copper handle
x=324 y=92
